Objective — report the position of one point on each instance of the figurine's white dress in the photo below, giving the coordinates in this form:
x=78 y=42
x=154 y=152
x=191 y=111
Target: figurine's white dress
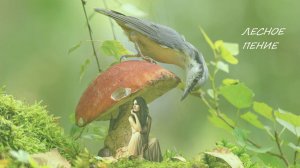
x=138 y=142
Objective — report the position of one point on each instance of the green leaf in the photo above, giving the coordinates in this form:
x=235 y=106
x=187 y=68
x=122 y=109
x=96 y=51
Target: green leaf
x=252 y=119
x=84 y=67
x=210 y=92
x=114 y=48
x=289 y=126
x=20 y=155
x=270 y=132
x=263 y=109
x=289 y=121
x=225 y=53
x=231 y=159
x=233 y=48
x=229 y=82
x=221 y=66
x=74 y=47
x=75 y=130
x=207 y=39
x=238 y=95
x=295 y=147
x=241 y=136
x=288 y=117
x=218 y=122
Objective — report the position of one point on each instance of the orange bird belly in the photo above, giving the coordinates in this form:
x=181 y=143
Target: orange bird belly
x=156 y=51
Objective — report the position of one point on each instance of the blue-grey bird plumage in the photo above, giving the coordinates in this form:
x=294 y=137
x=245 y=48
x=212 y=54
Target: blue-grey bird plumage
x=165 y=45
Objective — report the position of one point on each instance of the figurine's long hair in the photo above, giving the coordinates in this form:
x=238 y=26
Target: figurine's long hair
x=144 y=111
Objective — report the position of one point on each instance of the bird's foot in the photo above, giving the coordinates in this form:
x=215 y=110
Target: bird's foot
x=125 y=57
x=149 y=59
x=146 y=58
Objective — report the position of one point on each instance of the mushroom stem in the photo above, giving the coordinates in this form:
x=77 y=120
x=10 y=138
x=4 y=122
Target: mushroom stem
x=119 y=132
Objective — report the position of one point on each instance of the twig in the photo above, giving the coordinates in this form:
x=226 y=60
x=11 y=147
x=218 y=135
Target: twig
x=111 y=22
x=83 y=2
x=280 y=149
x=296 y=152
x=80 y=133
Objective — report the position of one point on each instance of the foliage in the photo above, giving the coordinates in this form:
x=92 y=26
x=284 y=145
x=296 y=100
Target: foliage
x=30 y=128
x=258 y=114
x=114 y=48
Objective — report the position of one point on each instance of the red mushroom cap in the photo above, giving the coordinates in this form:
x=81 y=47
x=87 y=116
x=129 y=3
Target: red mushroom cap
x=122 y=83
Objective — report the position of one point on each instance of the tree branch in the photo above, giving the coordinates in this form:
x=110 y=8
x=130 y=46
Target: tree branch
x=83 y=2
x=277 y=140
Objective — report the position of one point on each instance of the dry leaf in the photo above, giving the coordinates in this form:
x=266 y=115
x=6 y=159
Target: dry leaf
x=230 y=158
x=51 y=159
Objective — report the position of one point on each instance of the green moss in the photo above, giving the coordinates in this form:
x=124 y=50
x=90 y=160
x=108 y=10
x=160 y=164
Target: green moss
x=202 y=161
x=31 y=128
x=147 y=164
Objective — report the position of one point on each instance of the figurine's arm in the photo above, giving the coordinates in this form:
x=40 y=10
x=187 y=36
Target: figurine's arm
x=135 y=124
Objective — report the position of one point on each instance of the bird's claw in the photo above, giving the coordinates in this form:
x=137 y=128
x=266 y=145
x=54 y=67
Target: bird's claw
x=149 y=59
x=123 y=58
x=146 y=58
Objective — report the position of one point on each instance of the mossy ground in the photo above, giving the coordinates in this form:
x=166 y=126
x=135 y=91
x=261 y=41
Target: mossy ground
x=32 y=129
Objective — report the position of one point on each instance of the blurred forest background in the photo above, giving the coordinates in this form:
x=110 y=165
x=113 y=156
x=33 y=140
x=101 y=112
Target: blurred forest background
x=35 y=36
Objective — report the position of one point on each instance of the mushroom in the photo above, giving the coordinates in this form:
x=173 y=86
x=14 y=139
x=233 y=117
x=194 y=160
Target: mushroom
x=110 y=96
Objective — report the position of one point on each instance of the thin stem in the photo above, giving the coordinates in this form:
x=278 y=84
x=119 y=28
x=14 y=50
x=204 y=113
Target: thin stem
x=111 y=22
x=237 y=116
x=90 y=33
x=296 y=152
x=213 y=85
x=80 y=133
x=280 y=149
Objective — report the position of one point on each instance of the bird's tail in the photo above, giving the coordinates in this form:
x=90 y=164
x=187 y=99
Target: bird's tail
x=110 y=13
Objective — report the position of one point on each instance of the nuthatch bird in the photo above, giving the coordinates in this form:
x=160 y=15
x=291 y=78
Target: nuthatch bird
x=163 y=44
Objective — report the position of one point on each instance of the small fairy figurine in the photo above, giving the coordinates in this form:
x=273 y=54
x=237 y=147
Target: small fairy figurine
x=140 y=122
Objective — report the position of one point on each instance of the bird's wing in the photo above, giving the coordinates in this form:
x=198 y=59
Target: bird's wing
x=161 y=34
